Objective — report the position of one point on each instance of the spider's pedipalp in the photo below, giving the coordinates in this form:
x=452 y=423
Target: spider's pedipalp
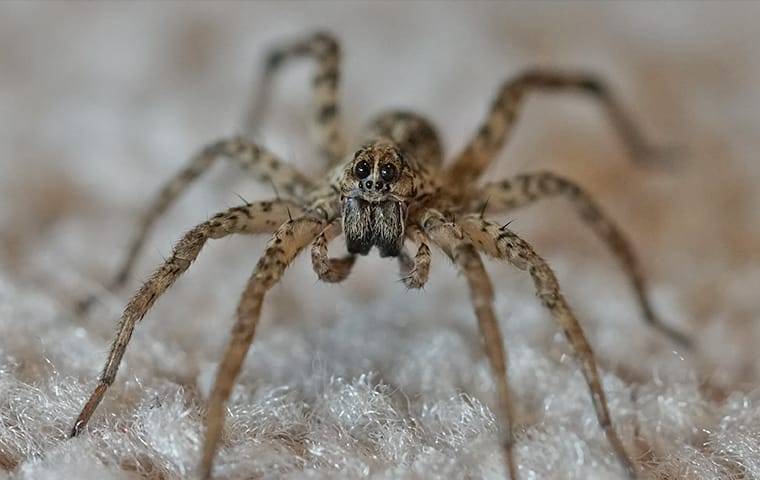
x=415 y=271
x=330 y=270
x=260 y=162
x=504 y=244
x=525 y=189
x=450 y=238
x=260 y=217
x=494 y=132
x=328 y=129
x=285 y=245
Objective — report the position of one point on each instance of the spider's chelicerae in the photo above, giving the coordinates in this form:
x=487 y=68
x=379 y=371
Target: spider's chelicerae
x=394 y=187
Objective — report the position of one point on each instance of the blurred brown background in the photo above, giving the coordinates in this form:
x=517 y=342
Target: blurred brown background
x=101 y=102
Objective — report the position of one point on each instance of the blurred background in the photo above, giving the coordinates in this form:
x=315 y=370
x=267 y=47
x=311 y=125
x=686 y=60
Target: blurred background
x=100 y=103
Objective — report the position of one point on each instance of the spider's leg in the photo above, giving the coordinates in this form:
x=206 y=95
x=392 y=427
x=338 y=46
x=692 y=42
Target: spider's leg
x=284 y=246
x=452 y=240
x=330 y=270
x=494 y=132
x=525 y=189
x=504 y=244
x=260 y=217
x=415 y=271
x=328 y=131
x=263 y=164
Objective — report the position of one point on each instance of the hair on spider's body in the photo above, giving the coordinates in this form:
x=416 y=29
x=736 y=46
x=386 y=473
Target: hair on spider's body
x=393 y=188
x=376 y=187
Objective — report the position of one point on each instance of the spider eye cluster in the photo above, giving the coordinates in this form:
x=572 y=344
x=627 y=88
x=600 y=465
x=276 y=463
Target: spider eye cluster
x=388 y=172
x=362 y=170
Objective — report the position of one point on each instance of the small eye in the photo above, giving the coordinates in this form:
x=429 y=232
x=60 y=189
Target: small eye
x=388 y=172
x=362 y=169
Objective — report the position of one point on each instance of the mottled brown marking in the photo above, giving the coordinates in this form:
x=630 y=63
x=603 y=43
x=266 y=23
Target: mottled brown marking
x=327 y=128
x=503 y=244
x=452 y=240
x=544 y=185
x=418 y=201
x=183 y=254
x=239 y=151
x=493 y=134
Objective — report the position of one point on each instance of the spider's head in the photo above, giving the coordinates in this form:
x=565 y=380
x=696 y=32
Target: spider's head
x=378 y=173
x=376 y=187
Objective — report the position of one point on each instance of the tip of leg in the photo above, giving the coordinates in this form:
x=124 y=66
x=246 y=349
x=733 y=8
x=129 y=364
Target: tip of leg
x=204 y=469
x=83 y=306
x=676 y=337
x=683 y=341
x=668 y=157
x=509 y=455
x=630 y=471
x=80 y=424
x=673 y=335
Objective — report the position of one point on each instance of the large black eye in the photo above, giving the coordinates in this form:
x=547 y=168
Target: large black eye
x=388 y=172
x=362 y=169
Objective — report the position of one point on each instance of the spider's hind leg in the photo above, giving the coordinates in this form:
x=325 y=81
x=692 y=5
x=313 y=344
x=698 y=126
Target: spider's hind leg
x=494 y=132
x=324 y=49
x=522 y=190
x=261 y=163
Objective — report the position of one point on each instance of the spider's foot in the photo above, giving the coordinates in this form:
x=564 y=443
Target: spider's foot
x=412 y=280
x=83 y=306
x=675 y=336
x=336 y=269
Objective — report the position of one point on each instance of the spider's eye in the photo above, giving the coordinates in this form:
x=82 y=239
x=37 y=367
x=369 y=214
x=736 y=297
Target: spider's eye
x=388 y=172
x=362 y=169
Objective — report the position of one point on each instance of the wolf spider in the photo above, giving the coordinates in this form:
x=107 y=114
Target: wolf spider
x=393 y=188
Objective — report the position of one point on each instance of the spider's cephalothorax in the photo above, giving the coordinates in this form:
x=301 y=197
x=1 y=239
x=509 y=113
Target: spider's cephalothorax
x=394 y=188
x=394 y=168
x=376 y=187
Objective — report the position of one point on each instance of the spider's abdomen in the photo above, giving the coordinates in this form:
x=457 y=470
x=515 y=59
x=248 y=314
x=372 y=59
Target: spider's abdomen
x=412 y=133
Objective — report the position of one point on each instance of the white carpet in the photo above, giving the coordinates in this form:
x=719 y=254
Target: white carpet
x=99 y=103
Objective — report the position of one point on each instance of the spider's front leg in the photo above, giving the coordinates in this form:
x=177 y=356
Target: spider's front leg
x=260 y=217
x=494 y=132
x=522 y=190
x=502 y=243
x=284 y=246
x=328 y=130
x=452 y=240
x=253 y=158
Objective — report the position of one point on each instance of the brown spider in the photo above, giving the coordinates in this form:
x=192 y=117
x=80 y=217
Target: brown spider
x=393 y=188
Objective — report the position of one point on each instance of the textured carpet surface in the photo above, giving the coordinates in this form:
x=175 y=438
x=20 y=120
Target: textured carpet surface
x=100 y=103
